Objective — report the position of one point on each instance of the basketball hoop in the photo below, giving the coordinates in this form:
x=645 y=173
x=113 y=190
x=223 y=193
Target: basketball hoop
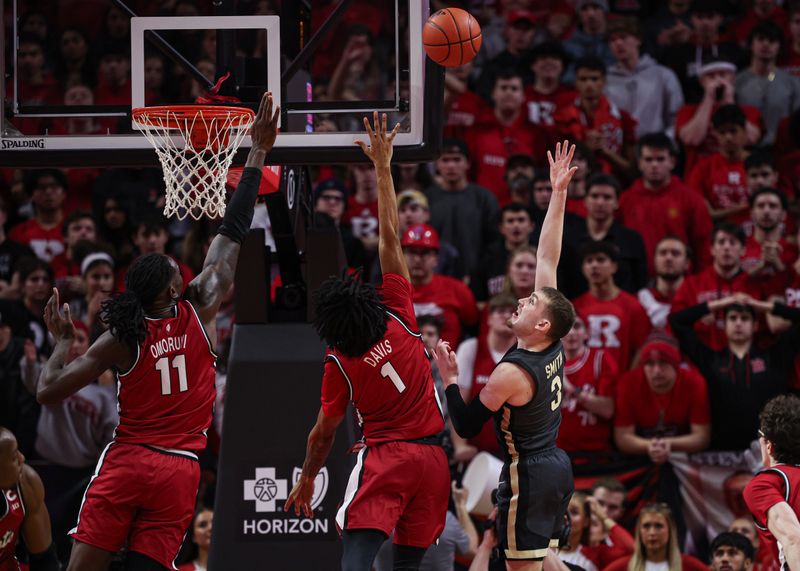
x=195 y=145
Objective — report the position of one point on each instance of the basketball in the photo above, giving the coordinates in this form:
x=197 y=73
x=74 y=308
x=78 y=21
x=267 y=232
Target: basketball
x=452 y=37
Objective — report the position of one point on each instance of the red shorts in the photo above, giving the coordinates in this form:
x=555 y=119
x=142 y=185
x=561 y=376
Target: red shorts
x=398 y=486
x=141 y=497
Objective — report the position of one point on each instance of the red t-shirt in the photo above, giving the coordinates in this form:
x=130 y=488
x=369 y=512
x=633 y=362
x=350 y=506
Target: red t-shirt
x=709 y=286
x=771 y=280
x=709 y=144
x=45 y=243
x=452 y=300
x=674 y=210
x=492 y=143
x=769 y=487
x=659 y=415
x=619 y=325
x=594 y=372
x=362 y=218
x=462 y=114
x=616 y=126
x=542 y=107
x=722 y=183
x=167 y=397
x=391 y=385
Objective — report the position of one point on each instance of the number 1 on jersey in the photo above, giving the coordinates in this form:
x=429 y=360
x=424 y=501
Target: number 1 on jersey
x=163 y=367
x=388 y=370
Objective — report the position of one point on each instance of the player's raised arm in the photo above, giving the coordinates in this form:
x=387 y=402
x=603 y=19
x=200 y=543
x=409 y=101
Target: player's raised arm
x=208 y=289
x=549 y=251
x=379 y=151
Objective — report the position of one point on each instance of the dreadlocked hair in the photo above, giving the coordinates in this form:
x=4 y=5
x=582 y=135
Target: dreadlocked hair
x=349 y=314
x=124 y=314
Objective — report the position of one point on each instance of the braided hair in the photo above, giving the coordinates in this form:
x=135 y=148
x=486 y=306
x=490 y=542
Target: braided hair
x=124 y=314
x=349 y=314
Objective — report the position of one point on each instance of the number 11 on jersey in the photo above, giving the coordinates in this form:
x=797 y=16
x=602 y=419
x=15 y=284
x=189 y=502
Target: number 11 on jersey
x=163 y=366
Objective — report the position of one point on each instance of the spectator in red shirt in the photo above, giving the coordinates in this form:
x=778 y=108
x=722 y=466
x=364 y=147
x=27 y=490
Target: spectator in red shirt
x=671 y=264
x=462 y=104
x=772 y=495
x=76 y=227
x=615 y=320
x=723 y=278
x=693 y=123
x=547 y=61
x=661 y=406
x=47 y=189
x=720 y=177
x=502 y=131
x=768 y=255
x=658 y=204
x=434 y=294
x=361 y=213
x=590 y=377
x=413 y=209
x=577 y=187
x=477 y=358
x=606 y=129
x=657 y=544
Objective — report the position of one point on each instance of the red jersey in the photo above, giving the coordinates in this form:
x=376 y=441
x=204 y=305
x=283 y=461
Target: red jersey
x=674 y=210
x=660 y=415
x=391 y=385
x=362 y=218
x=452 y=300
x=616 y=126
x=12 y=514
x=722 y=183
x=709 y=144
x=45 y=243
x=770 y=280
x=481 y=371
x=618 y=325
x=542 y=106
x=706 y=286
x=462 y=114
x=594 y=372
x=491 y=144
x=167 y=398
x=780 y=483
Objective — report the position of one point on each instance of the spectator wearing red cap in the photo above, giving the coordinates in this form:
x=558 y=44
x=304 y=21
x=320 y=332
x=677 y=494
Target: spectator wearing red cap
x=519 y=33
x=464 y=214
x=661 y=406
x=722 y=278
x=436 y=294
x=658 y=204
x=741 y=377
x=502 y=131
x=590 y=381
x=615 y=320
x=671 y=264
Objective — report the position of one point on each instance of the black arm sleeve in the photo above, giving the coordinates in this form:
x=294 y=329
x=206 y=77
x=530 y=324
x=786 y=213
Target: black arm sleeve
x=44 y=561
x=682 y=323
x=468 y=419
x=239 y=212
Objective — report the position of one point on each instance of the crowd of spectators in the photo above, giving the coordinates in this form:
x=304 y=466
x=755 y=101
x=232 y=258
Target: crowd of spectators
x=680 y=247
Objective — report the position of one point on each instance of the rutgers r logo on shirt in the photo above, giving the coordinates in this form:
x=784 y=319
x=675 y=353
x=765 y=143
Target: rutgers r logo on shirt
x=603 y=331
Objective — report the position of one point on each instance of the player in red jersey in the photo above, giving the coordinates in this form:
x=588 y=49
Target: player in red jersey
x=22 y=511
x=162 y=348
x=773 y=495
x=377 y=359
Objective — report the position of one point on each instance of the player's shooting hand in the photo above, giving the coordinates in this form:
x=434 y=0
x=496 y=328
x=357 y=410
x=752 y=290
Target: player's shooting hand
x=60 y=326
x=379 y=149
x=265 y=125
x=560 y=171
x=446 y=361
x=300 y=497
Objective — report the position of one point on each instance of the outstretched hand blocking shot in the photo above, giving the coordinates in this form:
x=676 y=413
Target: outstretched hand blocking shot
x=404 y=486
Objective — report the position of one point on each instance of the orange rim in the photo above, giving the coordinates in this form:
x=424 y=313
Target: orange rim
x=174 y=116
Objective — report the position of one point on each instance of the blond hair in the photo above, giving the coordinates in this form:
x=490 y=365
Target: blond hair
x=639 y=559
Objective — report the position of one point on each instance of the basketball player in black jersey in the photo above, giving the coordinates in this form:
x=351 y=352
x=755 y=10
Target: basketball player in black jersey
x=524 y=396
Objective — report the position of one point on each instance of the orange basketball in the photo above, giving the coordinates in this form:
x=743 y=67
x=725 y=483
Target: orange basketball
x=451 y=37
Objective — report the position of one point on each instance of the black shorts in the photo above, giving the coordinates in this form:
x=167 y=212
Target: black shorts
x=532 y=499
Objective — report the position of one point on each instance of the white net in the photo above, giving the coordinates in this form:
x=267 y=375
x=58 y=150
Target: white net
x=195 y=152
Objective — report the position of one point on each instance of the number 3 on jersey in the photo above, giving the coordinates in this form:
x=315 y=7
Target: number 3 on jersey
x=555 y=387
x=388 y=370
x=163 y=366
